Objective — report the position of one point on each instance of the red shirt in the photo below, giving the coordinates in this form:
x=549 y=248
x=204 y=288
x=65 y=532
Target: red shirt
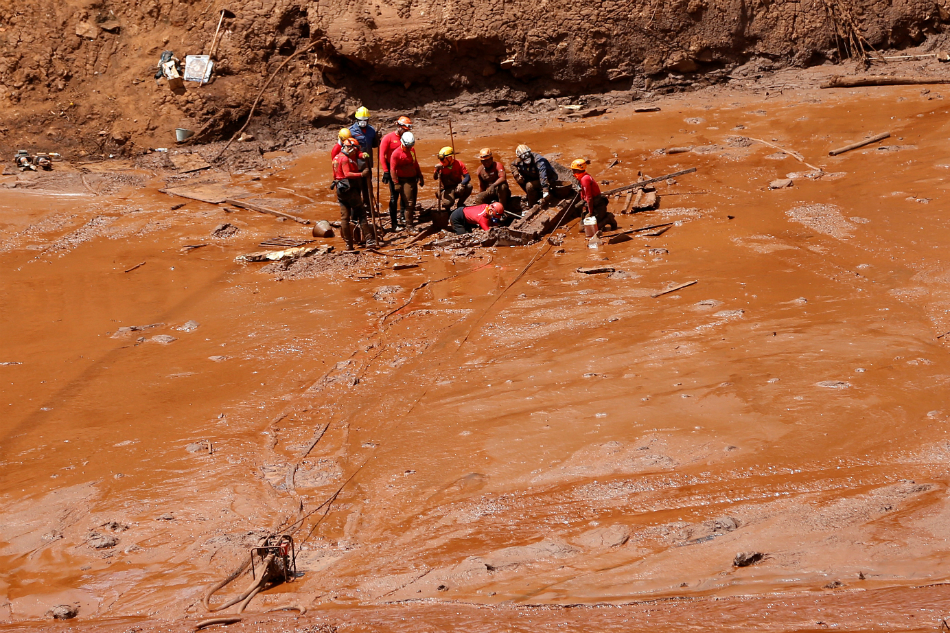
x=452 y=174
x=343 y=167
x=478 y=215
x=589 y=188
x=336 y=150
x=403 y=163
x=488 y=177
x=386 y=147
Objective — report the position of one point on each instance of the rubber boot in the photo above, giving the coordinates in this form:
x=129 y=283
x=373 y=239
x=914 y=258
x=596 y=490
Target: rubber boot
x=367 y=231
x=347 y=230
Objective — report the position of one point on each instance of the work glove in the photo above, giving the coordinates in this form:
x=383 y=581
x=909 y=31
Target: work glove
x=367 y=172
x=422 y=180
x=545 y=194
x=387 y=178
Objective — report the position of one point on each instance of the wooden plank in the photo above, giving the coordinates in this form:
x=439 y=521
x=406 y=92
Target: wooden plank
x=643 y=183
x=626 y=203
x=882 y=80
x=262 y=209
x=675 y=288
x=212 y=194
x=186 y=163
x=867 y=141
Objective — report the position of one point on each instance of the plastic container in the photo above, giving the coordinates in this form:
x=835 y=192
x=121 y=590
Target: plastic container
x=590 y=226
x=182 y=135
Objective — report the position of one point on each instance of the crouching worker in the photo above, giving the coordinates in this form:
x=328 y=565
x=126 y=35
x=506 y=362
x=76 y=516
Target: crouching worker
x=492 y=181
x=347 y=180
x=590 y=193
x=483 y=216
x=454 y=179
x=534 y=174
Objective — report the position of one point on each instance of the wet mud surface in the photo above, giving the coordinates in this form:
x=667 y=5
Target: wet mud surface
x=451 y=452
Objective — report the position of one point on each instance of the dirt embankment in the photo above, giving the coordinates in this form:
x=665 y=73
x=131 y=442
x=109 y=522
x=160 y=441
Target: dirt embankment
x=77 y=74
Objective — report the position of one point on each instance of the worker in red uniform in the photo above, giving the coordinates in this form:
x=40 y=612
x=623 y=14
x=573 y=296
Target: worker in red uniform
x=455 y=182
x=386 y=148
x=407 y=176
x=484 y=216
x=347 y=180
x=492 y=180
x=342 y=136
x=590 y=193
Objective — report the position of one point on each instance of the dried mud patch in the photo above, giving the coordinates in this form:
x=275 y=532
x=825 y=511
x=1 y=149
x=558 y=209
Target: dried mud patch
x=333 y=266
x=826 y=219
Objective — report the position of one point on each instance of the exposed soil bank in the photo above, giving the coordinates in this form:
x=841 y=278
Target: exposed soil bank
x=573 y=441
x=77 y=74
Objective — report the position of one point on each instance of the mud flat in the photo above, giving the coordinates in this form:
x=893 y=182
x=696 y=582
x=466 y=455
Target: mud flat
x=572 y=453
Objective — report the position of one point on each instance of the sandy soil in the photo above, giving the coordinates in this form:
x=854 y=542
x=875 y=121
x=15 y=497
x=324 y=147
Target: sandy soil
x=569 y=453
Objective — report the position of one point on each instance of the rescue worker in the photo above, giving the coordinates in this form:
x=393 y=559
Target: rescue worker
x=365 y=134
x=481 y=215
x=492 y=180
x=342 y=136
x=534 y=174
x=454 y=179
x=590 y=193
x=386 y=147
x=407 y=177
x=346 y=181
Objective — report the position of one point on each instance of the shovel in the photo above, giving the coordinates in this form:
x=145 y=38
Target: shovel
x=214 y=41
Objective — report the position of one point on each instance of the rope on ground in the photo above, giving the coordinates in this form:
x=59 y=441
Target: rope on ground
x=261 y=94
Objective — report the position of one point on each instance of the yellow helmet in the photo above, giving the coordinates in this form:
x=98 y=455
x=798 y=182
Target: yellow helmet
x=344 y=134
x=362 y=114
x=579 y=165
x=445 y=152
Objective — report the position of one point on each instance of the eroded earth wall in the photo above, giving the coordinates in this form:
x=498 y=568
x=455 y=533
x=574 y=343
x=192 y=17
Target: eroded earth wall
x=79 y=73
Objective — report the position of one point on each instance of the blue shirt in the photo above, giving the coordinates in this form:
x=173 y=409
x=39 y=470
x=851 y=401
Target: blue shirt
x=538 y=169
x=365 y=136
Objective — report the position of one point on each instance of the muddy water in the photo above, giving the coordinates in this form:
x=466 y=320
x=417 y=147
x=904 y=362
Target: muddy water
x=572 y=440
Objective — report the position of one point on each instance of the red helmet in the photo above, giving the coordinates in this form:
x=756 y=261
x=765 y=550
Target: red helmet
x=496 y=210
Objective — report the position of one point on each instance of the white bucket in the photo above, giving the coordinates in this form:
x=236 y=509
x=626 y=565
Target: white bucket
x=181 y=134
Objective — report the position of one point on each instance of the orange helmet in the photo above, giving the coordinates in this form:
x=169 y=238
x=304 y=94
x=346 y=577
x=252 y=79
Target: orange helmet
x=350 y=145
x=495 y=210
x=579 y=165
x=485 y=153
x=405 y=122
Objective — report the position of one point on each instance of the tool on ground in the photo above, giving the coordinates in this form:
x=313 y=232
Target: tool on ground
x=282 y=557
x=214 y=40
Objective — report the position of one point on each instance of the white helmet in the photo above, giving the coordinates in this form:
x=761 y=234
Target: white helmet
x=408 y=140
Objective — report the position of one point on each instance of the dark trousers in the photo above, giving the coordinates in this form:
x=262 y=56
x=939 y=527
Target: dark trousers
x=459 y=223
x=408 y=190
x=352 y=211
x=455 y=197
x=393 y=204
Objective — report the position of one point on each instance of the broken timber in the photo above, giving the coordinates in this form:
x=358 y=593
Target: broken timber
x=643 y=183
x=540 y=220
x=867 y=141
x=674 y=289
x=882 y=80
x=262 y=209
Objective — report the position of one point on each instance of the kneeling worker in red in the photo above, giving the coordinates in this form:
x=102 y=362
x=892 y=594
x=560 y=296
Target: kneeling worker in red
x=590 y=193
x=483 y=216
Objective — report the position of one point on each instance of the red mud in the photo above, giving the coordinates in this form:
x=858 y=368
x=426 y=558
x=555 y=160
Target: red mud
x=571 y=442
